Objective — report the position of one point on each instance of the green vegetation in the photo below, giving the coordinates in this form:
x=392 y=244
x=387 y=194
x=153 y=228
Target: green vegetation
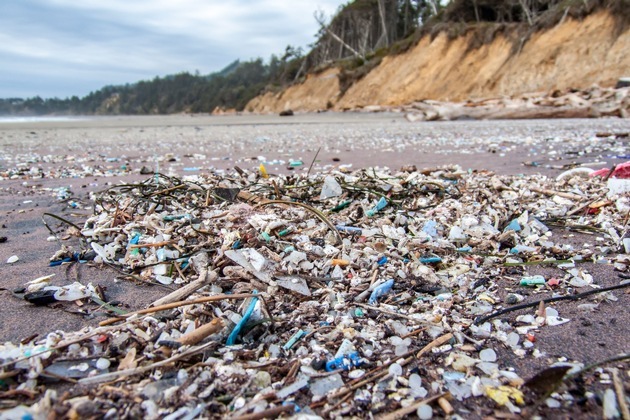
x=232 y=87
x=356 y=39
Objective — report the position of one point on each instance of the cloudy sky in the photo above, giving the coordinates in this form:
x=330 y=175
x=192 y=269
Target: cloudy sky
x=60 y=48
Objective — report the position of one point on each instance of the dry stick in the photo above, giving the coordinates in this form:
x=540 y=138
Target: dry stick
x=433 y=344
x=558 y=193
x=64 y=344
x=610 y=172
x=270 y=413
x=106 y=377
x=399 y=414
x=621 y=395
x=167 y=190
x=313 y=162
x=385 y=311
x=313 y=210
x=202 y=332
x=178 y=304
x=204 y=279
x=548 y=300
x=152 y=245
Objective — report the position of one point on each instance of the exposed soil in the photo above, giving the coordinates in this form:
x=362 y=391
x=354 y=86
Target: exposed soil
x=573 y=54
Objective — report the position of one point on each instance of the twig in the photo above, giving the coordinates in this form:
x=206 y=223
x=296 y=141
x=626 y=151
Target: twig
x=270 y=413
x=198 y=334
x=152 y=245
x=182 y=293
x=178 y=304
x=621 y=395
x=378 y=373
x=385 y=311
x=167 y=190
x=552 y=299
x=399 y=414
x=313 y=162
x=317 y=213
x=558 y=193
x=610 y=172
x=111 y=376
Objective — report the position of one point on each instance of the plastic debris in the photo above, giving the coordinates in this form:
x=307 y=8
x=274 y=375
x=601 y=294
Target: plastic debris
x=380 y=291
x=283 y=280
x=331 y=188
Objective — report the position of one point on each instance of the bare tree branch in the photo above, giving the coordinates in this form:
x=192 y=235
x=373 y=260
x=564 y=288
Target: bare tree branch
x=319 y=17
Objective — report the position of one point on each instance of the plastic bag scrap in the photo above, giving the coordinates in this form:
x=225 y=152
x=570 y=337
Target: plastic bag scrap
x=335 y=295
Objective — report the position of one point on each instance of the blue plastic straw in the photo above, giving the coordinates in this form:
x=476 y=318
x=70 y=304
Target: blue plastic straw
x=237 y=329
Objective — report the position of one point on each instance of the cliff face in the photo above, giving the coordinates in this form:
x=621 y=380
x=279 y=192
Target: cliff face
x=573 y=54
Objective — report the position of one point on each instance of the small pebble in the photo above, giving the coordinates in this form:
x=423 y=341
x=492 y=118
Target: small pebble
x=13 y=259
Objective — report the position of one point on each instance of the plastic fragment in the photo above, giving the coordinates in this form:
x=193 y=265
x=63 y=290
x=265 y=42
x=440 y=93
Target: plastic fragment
x=349 y=229
x=532 y=281
x=263 y=171
x=294 y=339
x=237 y=329
x=503 y=394
x=380 y=205
x=341 y=206
x=380 y=291
x=345 y=362
x=330 y=188
x=513 y=225
x=13 y=259
x=430 y=260
x=292 y=389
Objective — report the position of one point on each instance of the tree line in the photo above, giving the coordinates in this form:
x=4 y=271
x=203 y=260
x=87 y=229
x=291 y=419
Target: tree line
x=356 y=38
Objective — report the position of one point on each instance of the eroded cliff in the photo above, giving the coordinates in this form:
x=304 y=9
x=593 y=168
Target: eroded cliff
x=572 y=54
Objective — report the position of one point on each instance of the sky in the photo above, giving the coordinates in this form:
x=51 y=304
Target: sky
x=61 y=48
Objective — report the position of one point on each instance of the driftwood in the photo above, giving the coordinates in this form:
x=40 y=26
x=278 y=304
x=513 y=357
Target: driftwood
x=591 y=103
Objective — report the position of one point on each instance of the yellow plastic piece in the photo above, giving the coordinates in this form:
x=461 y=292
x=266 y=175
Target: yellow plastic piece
x=502 y=394
x=263 y=171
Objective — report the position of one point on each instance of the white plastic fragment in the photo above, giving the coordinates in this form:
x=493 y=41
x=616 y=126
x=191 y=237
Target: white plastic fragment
x=611 y=410
x=488 y=355
x=330 y=188
x=13 y=259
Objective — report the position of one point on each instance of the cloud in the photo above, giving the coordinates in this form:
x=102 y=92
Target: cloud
x=68 y=47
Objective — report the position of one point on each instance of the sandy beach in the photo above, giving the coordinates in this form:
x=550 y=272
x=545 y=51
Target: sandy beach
x=51 y=167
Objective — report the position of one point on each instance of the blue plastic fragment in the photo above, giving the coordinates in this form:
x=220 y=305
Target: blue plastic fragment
x=294 y=339
x=176 y=217
x=236 y=244
x=135 y=239
x=430 y=260
x=430 y=228
x=380 y=290
x=382 y=261
x=378 y=207
x=513 y=226
x=464 y=249
x=349 y=229
x=75 y=257
x=344 y=362
x=237 y=329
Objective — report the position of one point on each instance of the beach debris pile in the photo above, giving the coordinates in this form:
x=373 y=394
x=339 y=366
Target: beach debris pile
x=330 y=295
x=594 y=102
